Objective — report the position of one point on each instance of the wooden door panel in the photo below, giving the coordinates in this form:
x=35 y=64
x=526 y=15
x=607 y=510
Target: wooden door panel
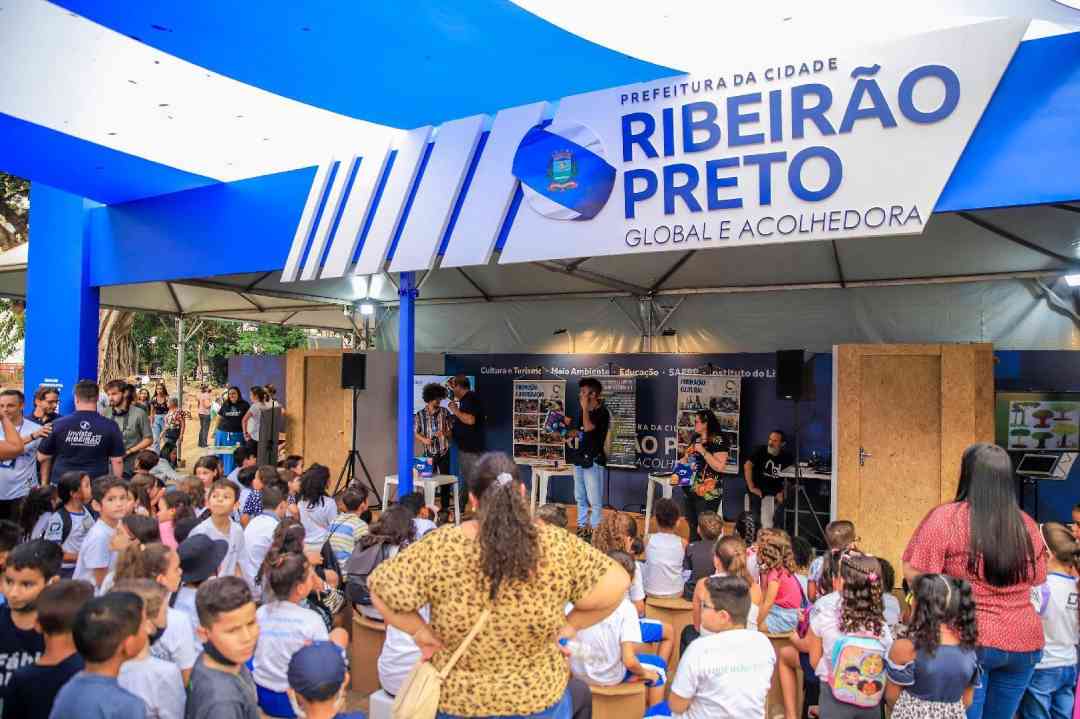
x=322 y=414
x=900 y=427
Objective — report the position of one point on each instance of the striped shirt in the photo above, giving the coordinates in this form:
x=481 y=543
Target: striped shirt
x=430 y=425
x=344 y=531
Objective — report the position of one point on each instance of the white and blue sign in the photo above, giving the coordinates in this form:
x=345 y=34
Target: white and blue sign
x=831 y=144
x=563 y=172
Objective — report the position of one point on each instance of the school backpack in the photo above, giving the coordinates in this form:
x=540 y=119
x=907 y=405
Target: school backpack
x=858 y=670
x=359 y=567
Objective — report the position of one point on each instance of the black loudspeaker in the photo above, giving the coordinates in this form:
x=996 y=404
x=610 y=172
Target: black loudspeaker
x=353 y=370
x=789 y=374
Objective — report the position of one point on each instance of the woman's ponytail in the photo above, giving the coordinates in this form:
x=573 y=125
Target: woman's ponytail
x=509 y=544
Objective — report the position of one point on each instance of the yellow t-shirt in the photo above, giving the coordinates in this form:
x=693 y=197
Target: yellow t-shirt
x=513 y=666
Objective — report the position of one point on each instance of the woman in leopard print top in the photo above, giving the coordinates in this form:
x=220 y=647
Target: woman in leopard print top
x=527 y=573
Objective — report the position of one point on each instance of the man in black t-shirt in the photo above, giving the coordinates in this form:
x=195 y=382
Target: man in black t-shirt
x=83 y=441
x=467 y=430
x=763 y=480
x=586 y=451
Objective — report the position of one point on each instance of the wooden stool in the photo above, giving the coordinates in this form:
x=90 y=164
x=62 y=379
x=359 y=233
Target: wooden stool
x=677 y=612
x=367 y=643
x=774 y=704
x=622 y=701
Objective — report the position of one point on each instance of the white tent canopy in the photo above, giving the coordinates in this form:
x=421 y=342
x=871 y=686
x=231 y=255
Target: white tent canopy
x=979 y=276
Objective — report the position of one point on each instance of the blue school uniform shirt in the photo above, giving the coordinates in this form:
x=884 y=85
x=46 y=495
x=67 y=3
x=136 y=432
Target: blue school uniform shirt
x=93 y=696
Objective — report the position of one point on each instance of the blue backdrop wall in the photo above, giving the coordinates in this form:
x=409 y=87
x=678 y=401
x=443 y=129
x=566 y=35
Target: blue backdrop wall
x=1043 y=371
x=656 y=388
x=246 y=371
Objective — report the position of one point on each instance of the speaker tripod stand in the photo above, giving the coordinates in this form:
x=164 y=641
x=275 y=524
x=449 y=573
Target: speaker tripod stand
x=348 y=470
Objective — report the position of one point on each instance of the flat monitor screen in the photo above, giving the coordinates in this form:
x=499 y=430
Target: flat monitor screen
x=1037 y=464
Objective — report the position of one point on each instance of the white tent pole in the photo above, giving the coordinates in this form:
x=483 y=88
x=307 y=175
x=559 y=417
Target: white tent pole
x=180 y=361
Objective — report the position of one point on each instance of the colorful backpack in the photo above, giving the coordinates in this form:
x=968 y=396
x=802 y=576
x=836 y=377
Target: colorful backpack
x=858 y=670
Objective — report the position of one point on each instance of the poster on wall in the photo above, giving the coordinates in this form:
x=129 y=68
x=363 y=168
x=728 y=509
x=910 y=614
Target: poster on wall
x=539 y=406
x=719 y=395
x=1038 y=421
x=422 y=380
x=620 y=397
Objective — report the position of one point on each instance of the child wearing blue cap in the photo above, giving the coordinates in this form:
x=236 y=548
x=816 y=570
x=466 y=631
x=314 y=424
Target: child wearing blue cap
x=318 y=681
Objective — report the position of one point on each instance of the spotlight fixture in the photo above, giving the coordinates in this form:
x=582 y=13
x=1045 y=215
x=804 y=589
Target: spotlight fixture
x=1072 y=280
x=367 y=309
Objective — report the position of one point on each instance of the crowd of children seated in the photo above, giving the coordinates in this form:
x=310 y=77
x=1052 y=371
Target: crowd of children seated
x=217 y=596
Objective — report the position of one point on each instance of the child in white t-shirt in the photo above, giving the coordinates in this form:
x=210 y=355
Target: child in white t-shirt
x=727 y=674
x=608 y=649
x=71 y=522
x=157 y=682
x=1054 y=682
x=664 y=554
x=220 y=526
x=317 y=511
x=96 y=559
x=285 y=626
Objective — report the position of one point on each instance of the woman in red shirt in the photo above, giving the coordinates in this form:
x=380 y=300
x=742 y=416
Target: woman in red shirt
x=985 y=538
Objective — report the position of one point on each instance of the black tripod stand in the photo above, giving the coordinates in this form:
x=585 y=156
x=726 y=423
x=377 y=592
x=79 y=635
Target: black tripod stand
x=800 y=488
x=348 y=470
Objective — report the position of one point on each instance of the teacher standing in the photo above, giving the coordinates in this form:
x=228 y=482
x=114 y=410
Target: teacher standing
x=985 y=538
x=230 y=427
x=707 y=454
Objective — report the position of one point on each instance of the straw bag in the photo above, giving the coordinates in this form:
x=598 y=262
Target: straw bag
x=419 y=696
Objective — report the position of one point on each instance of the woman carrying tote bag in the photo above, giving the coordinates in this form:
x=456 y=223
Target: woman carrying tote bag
x=498 y=585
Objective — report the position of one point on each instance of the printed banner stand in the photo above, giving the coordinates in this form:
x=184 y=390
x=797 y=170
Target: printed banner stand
x=720 y=395
x=538 y=406
x=620 y=397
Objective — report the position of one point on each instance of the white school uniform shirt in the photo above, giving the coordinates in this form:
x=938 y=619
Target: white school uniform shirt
x=636 y=592
x=185 y=603
x=18 y=475
x=317 y=520
x=892 y=608
x=1055 y=602
x=158 y=683
x=81 y=523
x=725 y=675
x=664 y=556
x=423 y=526
x=398 y=656
x=95 y=552
x=235 y=538
x=825 y=622
x=284 y=628
x=257 y=537
x=178 y=644
x=603 y=641
x=41 y=526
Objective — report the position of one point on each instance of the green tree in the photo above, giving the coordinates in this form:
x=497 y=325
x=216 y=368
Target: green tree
x=1042 y=416
x=1062 y=409
x=1064 y=430
x=1020 y=433
x=1022 y=408
x=14 y=210
x=268 y=339
x=1042 y=437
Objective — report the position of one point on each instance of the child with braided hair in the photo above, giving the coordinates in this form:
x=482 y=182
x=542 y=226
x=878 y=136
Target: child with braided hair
x=286 y=625
x=933 y=671
x=848 y=640
x=783 y=595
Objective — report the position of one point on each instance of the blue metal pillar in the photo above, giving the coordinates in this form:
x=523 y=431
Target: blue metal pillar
x=407 y=294
x=61 y=305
